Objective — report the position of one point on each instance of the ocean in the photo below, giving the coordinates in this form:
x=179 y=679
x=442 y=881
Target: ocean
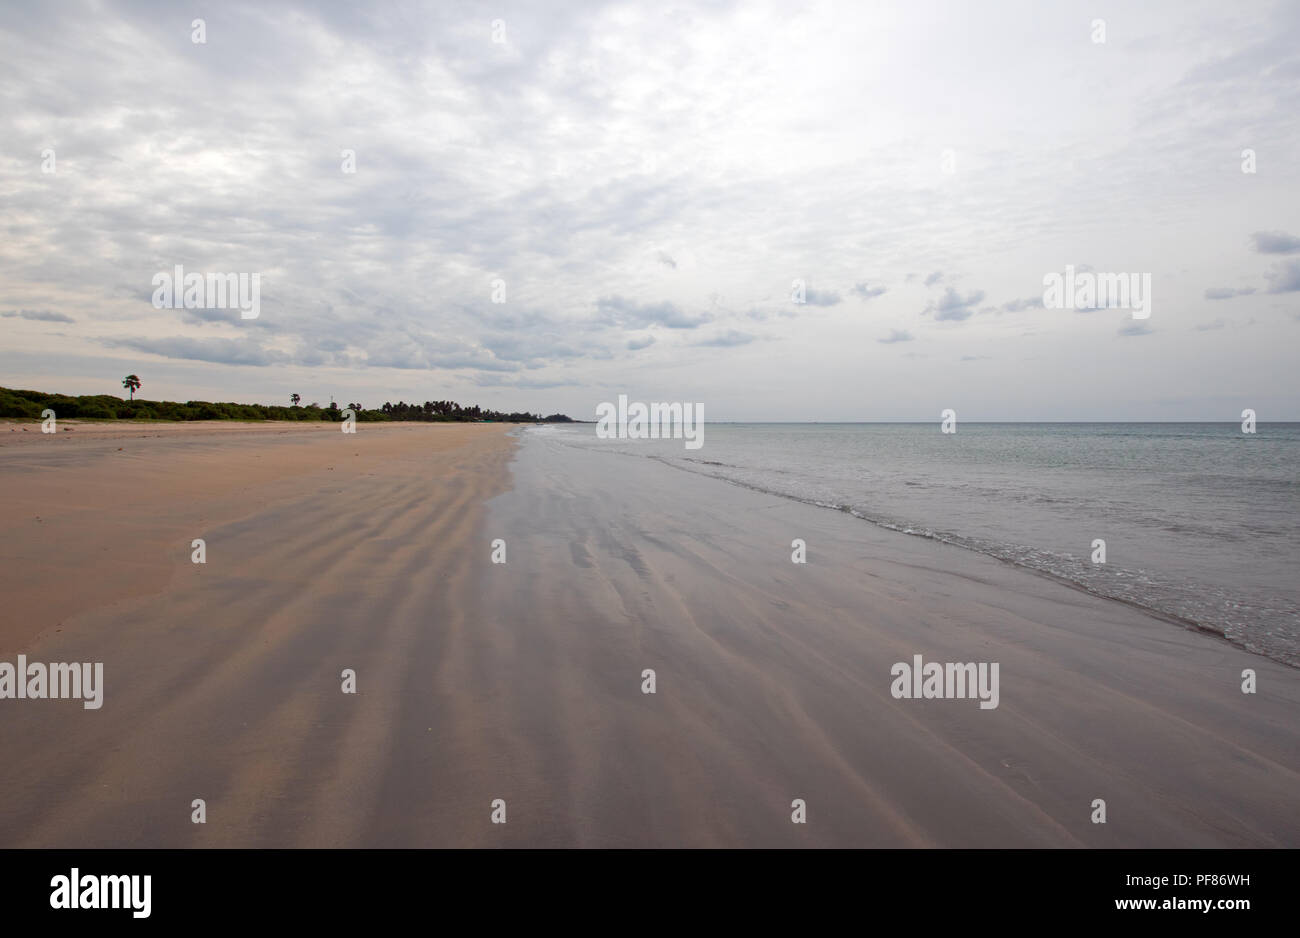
x=1201 y=521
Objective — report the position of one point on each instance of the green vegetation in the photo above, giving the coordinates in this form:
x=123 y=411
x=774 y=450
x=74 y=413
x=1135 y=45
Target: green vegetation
x=19 y=404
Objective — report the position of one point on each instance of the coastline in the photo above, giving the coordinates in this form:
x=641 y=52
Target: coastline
x=523 y=680
x=774 y=679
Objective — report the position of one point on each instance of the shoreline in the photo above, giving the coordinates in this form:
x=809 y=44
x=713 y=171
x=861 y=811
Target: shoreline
x=524 y=680
x=1183 y=622
x=1285 y=657
x=718 y=555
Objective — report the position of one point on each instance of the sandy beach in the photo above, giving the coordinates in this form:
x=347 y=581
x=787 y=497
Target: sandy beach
x=522 y=681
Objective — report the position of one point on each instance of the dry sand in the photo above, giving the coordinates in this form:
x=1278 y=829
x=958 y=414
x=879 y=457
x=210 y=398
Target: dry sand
x=522 y=681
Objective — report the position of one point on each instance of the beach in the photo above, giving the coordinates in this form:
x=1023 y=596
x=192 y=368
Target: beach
x=523 y=681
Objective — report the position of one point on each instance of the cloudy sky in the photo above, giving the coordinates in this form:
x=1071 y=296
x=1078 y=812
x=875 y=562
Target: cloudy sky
x=647 y=181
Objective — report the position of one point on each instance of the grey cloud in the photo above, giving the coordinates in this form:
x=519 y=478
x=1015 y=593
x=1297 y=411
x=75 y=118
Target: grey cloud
x=934 y=278
x=414 y=351
x=728 y=339
x=896 y=335
x=222 y=351
x=503 y=317
x=1284 y=278
x=37 y=315
x=200 y=317
x=820 y=297
x=526 y=384
x=1015 y=306
x=1275 y=242
x=530 y=348
x=616 y=310
x=762 y=315
x=867 y=292
x=1136 y=328
x=640 y=343
x=1225 y=293
x=667 y=260
x=954 y=307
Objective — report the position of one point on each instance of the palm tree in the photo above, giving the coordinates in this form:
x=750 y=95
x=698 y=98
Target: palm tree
x=294 y=399
x=131 y=382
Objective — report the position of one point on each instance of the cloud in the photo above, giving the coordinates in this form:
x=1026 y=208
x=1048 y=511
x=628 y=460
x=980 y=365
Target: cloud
x=867 y=292
x=1135 y=328
x=1275 y=242
x=201 y=317
x=1284 y=277
x=976 y=358
x=532 y=350
x=615 y=310
x=954 y=307
x=728 y=339
x=478 y=160
x=1209 y=326
x=1225 y=293
x=640 y=343
x=37 y=315
x=820 y=297
x=222 y=351
x=415 y=358
x=517 y=320
x=525 y=384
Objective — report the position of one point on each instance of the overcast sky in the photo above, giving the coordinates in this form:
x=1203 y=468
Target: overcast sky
x=648 y=180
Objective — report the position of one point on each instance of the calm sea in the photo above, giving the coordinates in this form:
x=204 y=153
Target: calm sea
x=1200 y=520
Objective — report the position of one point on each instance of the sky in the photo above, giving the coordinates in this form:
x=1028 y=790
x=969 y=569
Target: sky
x=556 y=203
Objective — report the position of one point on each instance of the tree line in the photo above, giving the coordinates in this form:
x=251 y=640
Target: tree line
x=450 y=410
x=22 y=403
